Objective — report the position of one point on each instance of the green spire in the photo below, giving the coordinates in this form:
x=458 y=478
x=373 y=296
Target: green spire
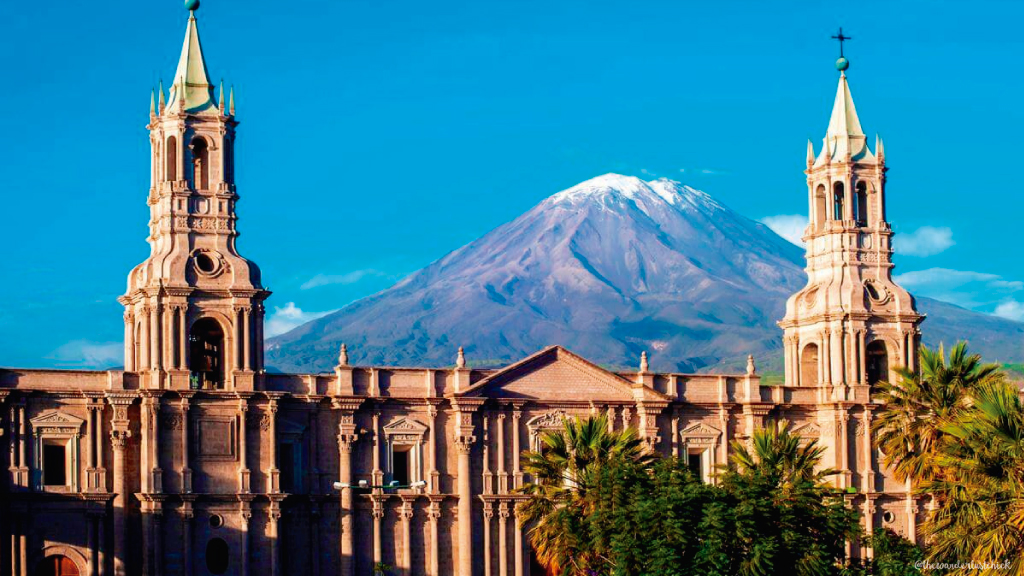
x=192 y=89
x=162 y=103
x=231 y=101
x=220 y=104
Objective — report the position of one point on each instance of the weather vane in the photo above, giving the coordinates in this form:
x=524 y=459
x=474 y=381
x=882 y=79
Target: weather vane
x=842 y=63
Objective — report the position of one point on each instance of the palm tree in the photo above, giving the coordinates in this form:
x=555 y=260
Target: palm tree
x=919 y=404
x=981 y=489
x=561 y=474
x=780 y=456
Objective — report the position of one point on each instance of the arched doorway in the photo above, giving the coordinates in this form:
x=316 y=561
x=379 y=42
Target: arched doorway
x=206 y=354
x=57 y=566
x=809 y=365
x=877 y=362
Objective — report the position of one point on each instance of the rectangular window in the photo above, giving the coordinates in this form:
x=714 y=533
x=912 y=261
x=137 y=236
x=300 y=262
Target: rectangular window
x=54 y=465
x=696 y=465
x=286 y=458
x=401 y=465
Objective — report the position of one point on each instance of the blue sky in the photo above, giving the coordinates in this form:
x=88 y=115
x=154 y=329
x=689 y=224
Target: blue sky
x=377 y=136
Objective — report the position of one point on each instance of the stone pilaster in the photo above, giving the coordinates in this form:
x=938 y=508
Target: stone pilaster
x=346 y=442
x=119 y=435
x=464 y=440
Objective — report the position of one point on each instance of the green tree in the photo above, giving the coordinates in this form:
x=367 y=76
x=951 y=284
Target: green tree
x=563 y=472
x=980 y=518
x=892 y=554
x=919 y=405
x=786 y=517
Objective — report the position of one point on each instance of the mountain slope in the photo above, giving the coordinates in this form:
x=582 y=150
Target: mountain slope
x=608 y=268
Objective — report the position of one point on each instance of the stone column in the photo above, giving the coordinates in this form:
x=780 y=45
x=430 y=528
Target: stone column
x=243 y=465
x=502 y=474
x=464 y=444
x=378 y=473
x=182 y=339
x=246 y=340
x=378 y=517
x=143 y=342
x=186 y=472
x=346 y=439
x=245 y=515
x=119 y=435
x=434 y=514
x=488 y=515
x=90 y=448
x=434 y=475
x=129 y=341
x=314 y=534
x=158 y=537
x=154 y=337
x=273 y=474
x=503 y=538
x=518 y=551
x=517 y=474
x=187 y=516
x=407 y=513
x=464 y=440
x=23 y=468
x=867 y=469
x=275 y=518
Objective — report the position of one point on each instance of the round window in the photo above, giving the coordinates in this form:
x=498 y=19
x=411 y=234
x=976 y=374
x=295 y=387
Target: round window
x=217 y=556
x=205 y=263
x=216 y=521
x=888 y=517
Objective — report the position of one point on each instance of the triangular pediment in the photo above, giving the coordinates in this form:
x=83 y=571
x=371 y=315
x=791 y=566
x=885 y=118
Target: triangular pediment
x=557 y=374
x=57 y=419
x=405 y=426
x=700 y=430
x=810 y=430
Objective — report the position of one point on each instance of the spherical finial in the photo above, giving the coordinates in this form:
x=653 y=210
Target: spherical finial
x=191 y=5
x=842 y=64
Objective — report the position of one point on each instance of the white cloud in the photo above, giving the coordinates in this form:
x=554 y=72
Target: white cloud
x=979 y=291
x=1011 y=309
x=282 y=320
x=348 y=278
x=925 y=241
x=88 y=354
x=789 y=226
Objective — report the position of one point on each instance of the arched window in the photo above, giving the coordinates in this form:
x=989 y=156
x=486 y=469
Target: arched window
x=877 y=362
x=200 y=164
x=57 y=566
x=171 y=155
x=809 y=365
x=206 y=354
x=218 y=556
x=860 y=205
x=837 y=201
x=820 y=208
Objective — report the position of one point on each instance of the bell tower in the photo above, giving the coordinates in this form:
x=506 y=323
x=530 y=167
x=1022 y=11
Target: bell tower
x=194 y=308
x=852 y=324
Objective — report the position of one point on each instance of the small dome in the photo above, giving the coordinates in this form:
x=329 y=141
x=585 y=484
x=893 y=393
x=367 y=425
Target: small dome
x=191 y=5
x=842 y=64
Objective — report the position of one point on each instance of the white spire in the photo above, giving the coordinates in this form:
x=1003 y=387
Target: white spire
x=191 y=76
x=844 y=138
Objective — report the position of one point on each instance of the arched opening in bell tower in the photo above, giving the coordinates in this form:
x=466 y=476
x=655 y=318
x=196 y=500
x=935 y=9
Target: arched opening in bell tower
x=877 y=358
x=820 y=209
x=809 y=365
x=171 y=156
x=860 y=204
x=206 y=354
x=838 y=201
x=200 y=164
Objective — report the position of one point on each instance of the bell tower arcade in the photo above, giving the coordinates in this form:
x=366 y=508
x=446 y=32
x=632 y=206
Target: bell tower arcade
x=852 y=324
x=194 y=308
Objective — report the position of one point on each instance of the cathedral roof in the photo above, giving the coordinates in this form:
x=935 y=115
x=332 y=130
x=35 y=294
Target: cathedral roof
x=191 y=89
x=844 y=135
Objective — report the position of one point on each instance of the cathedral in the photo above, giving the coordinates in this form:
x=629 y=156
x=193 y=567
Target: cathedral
x=194 y=460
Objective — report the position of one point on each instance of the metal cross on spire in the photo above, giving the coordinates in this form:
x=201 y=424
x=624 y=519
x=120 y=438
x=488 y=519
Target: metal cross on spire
x=841 y=39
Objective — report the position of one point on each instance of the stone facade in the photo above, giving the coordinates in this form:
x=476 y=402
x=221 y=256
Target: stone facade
x=195 y=461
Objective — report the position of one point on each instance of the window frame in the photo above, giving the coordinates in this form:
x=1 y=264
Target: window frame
x=56 y=428
x=409 y=435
